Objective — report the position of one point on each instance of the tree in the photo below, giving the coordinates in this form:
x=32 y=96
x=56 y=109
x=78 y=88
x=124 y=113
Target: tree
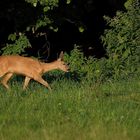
x=33 y=18
x=28 y=16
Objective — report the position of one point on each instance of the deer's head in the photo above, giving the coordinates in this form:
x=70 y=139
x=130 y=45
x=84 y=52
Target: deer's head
x=61 y=64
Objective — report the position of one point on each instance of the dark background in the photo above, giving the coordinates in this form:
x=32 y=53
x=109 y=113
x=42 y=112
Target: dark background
x=16 y=15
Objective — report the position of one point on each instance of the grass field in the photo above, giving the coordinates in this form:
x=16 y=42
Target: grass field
x=72 y=111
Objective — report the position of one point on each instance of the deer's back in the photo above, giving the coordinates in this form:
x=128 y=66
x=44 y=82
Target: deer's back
x=20 y=65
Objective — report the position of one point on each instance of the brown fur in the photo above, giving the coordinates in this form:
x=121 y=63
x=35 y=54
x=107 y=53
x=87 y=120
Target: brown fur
x=30 y=68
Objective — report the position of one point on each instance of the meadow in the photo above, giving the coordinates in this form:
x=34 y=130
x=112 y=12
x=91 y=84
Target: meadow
x=71 y=111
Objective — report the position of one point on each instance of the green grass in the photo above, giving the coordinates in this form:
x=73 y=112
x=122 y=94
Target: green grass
x=72 y=111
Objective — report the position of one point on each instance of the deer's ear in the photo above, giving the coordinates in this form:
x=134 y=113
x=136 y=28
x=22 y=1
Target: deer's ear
x=61 y=56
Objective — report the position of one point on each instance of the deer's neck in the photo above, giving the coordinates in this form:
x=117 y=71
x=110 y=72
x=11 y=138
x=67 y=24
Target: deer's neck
x=49 y=66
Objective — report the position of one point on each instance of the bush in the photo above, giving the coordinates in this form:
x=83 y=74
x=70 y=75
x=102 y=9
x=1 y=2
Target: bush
x=122 y=43
x=85 y=69
x=122 y=40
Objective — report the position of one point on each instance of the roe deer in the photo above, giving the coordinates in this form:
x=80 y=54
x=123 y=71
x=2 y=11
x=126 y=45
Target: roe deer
x=30 y=68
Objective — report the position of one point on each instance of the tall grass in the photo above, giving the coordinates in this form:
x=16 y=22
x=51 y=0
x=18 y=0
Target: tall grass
x=72 y=111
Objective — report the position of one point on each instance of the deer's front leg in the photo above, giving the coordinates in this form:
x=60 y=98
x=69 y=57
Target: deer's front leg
x=26 y=82
x=43 y=82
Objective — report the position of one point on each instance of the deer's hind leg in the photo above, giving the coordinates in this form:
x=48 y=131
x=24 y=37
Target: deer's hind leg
x=5 y=79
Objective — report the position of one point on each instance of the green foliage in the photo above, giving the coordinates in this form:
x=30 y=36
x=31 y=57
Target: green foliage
x=128 y=3
x=122 y=40
x=69 y=1
x=19 y=45
x=47 y=3
x=44 y=19
x=82 y=68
